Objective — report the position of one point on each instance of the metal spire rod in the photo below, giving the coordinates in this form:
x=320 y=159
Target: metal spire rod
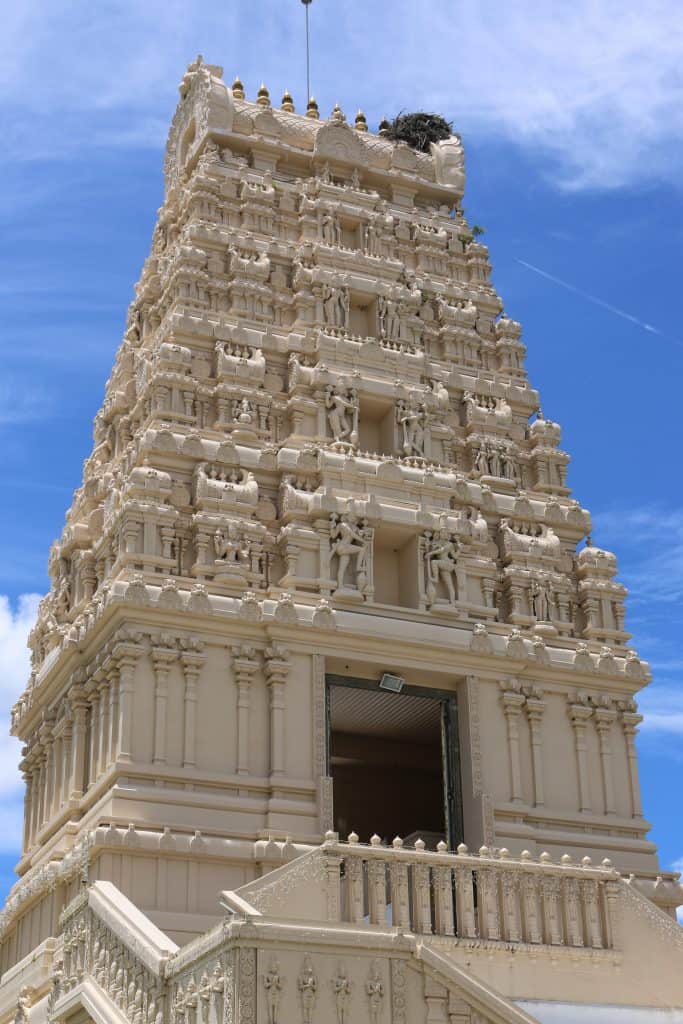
x=307 y=4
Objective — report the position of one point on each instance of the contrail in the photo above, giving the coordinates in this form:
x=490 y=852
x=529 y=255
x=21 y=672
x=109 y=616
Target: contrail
x=598 y=302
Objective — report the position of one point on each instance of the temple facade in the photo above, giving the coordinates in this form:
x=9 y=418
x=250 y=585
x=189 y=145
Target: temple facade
x=332 y=710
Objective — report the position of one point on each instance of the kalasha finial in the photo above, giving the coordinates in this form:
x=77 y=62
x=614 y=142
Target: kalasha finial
x=337 y=113
x=312 y=109
x=263 y=96
x=384 y=126
x=361 y=122
x=238 y=88
x=287 y=102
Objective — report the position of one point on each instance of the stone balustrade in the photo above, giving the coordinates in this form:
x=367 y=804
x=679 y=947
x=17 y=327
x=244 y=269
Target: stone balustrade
x=488 y=896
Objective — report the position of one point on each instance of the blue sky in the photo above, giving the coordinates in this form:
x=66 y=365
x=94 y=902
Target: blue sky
x=572 y=119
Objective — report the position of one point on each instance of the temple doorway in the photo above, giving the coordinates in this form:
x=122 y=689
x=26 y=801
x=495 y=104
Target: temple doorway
x=394 y=762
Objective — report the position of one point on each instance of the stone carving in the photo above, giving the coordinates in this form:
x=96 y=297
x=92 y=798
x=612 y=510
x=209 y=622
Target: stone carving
x=411 y=417
x=349 y=545
x=374 y=989
x=273 y=984
x=336 y=306
x=330 y=231
x=341 y=989
x=308 y=990
x=495 y=460
x=440 y=554
x=227 y=487
x=342 y=413
x=542 y=600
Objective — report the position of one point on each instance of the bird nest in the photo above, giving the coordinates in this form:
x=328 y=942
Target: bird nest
x=419 y=130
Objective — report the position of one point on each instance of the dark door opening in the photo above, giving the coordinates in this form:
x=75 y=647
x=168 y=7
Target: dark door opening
x=394 y=762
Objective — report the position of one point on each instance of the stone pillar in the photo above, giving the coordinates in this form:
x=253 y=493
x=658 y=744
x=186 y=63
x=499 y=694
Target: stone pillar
x=534 y=708
x=113 y=713
x=27 y=775
x=94 y=758
x=579 y=715
x=104 y=735
x=47 y=737
x=67 y=749
x=127 y=654
x=277 y=669
x=192 y=662
x=79 y=705
x=630 y=721
x=162 y=659
x=513 y=702
x=58 y=773
x=603 y=723
x=244 y=665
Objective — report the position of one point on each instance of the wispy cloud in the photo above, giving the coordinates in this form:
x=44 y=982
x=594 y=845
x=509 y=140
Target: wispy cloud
x=597 y=302
x=597 y=87
x=15 y=623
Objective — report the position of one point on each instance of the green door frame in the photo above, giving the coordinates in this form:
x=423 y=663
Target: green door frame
x=450 y=743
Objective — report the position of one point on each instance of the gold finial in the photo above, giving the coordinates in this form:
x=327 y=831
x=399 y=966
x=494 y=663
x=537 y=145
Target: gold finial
x=361 y=123
x=312 y=109
x=337 y=114
x=263 y=96
x=384 y=126
x=238 y=88
x=287 y=102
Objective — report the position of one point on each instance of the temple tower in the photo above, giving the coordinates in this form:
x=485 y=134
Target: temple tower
x=324 y=572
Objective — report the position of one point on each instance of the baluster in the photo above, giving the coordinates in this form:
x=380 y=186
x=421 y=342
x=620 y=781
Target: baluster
x=572 y=909
x=511 y=915
x=443 y=902
x=489 y=919
x=532 y=921
x=550 y=889
x=464 y=903
x=354 y=876
x=589 y=893
x=422 y=908
x=400 y=906
x=377 y=888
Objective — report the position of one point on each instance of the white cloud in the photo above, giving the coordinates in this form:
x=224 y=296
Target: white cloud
x=15 y=623
x=597 y=87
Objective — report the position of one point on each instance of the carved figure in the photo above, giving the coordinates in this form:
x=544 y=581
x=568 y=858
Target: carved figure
x=228 y=547
x=336 y=305
x=342 y=413
x=412 y=418
x=243 y=411
x=540 y=600
x=273 y=984
x=441 y=556
x=341 y=988
x=371 y=240
x=349 y=545
x=374 y=988
x=308 y=990
x=329 y=229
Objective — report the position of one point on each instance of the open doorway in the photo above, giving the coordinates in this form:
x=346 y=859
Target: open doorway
x=394 y=762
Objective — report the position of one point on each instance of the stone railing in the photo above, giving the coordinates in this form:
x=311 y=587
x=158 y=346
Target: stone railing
x=478 y=897
x=109 y=941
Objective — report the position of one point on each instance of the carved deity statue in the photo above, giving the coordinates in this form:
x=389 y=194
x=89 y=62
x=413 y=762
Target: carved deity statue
x=342 y=413
x=341 y=989
x=441 y=558
x=541 y=600
x=308 y=989
x=330 y=230
x=349 y=544
x=243 y=411
x=374 y=988
x=371 y=239
x=411 y=417
x=336 y=305
x=228 y=547
x=273 y=984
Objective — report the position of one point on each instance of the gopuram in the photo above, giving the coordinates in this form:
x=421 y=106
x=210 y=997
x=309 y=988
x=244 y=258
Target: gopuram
x=331 y=716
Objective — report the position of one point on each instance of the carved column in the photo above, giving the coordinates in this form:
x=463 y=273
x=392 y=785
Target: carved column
x=103 y=742
x=94 y=758
x=79 y=705
x=27 y=775
x=113 y=712
x=603 y=723
x=579 y=715
x=192 y=662
x=58 y=774
x=244 y=665
x=127 y=654
x=630 y=721
x=277 y=669
x=162 y=659
x=67 y=755
x=513 y=702
x=534 y=708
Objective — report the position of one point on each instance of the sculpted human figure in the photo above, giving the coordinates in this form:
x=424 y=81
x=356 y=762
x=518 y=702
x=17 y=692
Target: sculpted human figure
x=329 y=229
x=411 y=418
x=273 y=983
x=349 y=545
x=330 y=305
x=442 y=556
x=308 y=988
x=342 y=413
x=344 y=306
x=382 y=313
x=341 y=988
x=374 y=988
x=495 y=462
x=227 y=545
x=540 y=600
